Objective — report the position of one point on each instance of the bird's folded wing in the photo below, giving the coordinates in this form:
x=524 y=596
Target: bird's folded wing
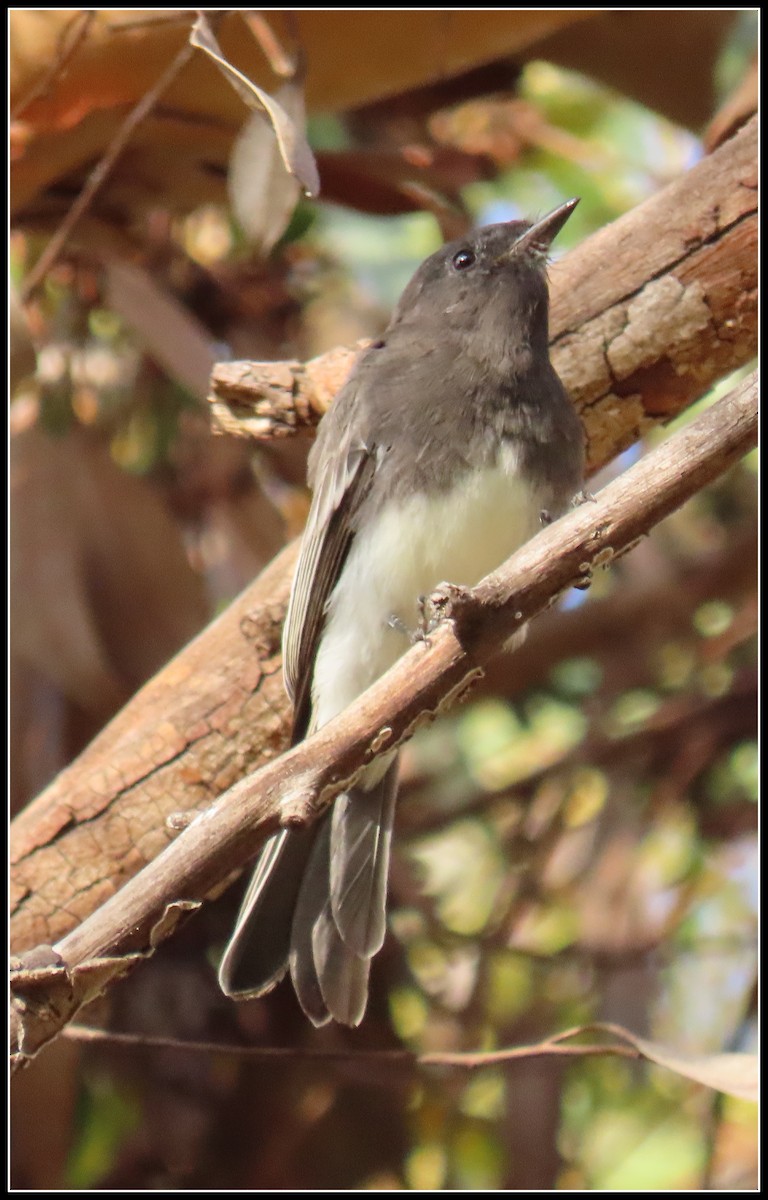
x=338 y=494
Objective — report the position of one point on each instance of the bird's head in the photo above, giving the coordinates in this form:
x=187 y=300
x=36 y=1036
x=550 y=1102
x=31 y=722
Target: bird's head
x=493 y=281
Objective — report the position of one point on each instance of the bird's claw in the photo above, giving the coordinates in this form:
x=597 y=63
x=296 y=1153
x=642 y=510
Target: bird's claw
x=582 y=497
x=443 y=602
x=399 y=625
x=432 y=609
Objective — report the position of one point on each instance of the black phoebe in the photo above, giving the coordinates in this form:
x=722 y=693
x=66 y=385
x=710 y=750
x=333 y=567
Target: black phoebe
x=450 y=439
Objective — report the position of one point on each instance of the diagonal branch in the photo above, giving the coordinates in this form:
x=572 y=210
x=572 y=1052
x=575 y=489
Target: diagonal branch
x=430 y=678
x=646 y=315
x=103 y=168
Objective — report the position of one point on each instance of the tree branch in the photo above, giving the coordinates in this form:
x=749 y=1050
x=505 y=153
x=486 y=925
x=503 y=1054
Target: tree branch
x=645 y=315
x=733 y=1074
x=427 y=680
x=219 y=709
x=103 y=167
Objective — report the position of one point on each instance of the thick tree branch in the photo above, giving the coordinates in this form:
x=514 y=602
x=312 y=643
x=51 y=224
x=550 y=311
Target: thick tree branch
x=645 y=314
x=427 y=680
x=682 y=313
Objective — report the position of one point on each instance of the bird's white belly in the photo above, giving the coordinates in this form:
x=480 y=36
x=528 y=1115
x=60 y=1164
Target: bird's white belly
x=456 y=537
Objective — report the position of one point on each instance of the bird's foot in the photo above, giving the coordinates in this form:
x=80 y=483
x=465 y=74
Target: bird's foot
x=400 y=626
x=432 y=609
x=582 y=497
x=442 y=604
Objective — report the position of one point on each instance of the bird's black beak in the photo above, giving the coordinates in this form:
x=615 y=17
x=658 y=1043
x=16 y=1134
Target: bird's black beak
x=541 y=235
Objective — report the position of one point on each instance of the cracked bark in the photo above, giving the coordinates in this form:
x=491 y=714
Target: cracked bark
x=431 y=676
x=646 y=315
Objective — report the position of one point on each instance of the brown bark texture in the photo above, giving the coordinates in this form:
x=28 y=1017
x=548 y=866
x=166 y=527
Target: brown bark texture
x=646 y=315
x=429 y=679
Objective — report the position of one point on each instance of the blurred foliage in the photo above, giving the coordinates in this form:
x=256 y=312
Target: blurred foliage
x=583 y=850
x=106 y=1115
x=737 y=52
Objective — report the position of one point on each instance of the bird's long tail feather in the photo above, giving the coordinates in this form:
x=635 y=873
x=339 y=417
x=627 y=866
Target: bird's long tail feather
x=317 y=903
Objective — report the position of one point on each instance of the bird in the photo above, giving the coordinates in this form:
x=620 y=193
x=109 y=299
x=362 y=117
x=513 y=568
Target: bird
x=451 y=442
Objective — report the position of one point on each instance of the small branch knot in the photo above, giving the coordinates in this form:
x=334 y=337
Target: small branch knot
x=296 y=810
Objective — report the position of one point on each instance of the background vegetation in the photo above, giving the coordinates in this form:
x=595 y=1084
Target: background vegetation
x=579 y=842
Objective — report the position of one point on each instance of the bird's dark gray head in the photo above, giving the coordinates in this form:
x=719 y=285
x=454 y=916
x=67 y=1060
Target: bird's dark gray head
x=492 y=281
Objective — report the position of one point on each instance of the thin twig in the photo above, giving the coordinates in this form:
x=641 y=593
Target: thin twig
x=177 y=17
x=550 y=1047
x=71 y=36
x=277 y=56
x=102 y=169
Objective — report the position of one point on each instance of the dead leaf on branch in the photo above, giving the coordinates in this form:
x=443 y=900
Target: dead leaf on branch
x=734 y=1074
x=294 y=148
x=263 y=196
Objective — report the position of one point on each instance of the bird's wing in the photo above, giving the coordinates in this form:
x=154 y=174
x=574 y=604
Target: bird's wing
x=338 y=494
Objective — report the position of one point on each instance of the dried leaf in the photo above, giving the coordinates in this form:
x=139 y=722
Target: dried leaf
x=294 y=147
x=734 y=1074
x=738 y=108
x=262 y=195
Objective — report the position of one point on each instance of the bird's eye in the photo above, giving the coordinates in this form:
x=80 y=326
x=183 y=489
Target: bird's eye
x=463 y=259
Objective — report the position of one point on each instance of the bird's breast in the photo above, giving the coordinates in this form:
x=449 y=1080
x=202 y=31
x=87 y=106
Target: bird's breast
x=457 y=535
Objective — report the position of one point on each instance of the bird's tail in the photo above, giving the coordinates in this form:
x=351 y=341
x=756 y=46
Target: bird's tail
x=317 y=902
x=256 y=957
